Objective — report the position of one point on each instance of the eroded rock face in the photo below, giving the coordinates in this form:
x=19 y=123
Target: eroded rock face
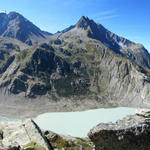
x=131 y=133
x=22 y=136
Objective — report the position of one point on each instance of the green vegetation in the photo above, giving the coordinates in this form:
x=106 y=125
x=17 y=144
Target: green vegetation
x=58 y=142
x=71 y=86
x=33 y=146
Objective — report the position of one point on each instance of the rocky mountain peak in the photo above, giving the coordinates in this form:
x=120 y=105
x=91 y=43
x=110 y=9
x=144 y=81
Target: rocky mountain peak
x=114 y=42
x=14 y=25
x=93 y=29
x=13 y=15
x=84 y=22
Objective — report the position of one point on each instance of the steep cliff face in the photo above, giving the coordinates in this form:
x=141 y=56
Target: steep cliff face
x=8 y=49
x=130 y=133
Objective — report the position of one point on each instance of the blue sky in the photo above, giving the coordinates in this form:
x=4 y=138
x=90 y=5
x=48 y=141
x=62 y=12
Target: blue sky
x=127 y=18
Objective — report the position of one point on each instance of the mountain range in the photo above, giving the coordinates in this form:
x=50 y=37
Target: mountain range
x=84 y=66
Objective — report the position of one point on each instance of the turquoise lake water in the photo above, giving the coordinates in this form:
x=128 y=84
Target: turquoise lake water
x=78 y=124
x=9 y=120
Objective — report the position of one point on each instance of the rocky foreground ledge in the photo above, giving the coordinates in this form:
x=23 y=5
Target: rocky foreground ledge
x=28 y=136
x=16 y=136
x=131 y=133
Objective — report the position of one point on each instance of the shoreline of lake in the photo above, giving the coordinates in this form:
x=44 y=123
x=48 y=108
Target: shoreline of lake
x=78 y=124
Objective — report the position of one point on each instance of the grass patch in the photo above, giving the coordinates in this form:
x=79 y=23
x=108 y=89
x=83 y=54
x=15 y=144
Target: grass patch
x=33 y=146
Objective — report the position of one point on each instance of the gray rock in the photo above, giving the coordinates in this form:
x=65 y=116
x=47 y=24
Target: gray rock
x=22 y=134
x=131 y=133
x=143 y=112
x=35 y=134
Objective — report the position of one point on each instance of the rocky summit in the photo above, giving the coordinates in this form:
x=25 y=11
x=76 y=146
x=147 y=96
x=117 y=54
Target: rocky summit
x=82 y=67
x=131 y=133
x=14 y=25
x=134 y=51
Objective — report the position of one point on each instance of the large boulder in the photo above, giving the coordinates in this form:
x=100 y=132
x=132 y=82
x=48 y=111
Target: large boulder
x=131 y=133
x=26 y=135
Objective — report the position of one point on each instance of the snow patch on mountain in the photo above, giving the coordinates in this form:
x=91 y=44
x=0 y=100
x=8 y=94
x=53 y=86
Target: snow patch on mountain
x=122 y=45
x=3 y=12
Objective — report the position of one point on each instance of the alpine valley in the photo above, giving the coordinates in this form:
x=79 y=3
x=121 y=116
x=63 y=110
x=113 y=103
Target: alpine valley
x=82 y=67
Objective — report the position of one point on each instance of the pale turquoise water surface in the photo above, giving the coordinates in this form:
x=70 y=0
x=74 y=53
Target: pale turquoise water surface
x=78 y=124
x=2 y=118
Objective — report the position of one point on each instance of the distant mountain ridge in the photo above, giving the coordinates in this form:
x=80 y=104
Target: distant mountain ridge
x=14 y=25
x=131 y=50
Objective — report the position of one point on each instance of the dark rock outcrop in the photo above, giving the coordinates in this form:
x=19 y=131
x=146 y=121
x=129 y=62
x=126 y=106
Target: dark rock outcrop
x=17 y=86
x=1 y=135
x=131 y=133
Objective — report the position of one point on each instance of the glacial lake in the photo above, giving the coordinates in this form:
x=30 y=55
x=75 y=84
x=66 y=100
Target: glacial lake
x=78 y=124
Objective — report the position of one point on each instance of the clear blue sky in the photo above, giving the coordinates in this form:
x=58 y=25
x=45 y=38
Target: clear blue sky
x=127 y=18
